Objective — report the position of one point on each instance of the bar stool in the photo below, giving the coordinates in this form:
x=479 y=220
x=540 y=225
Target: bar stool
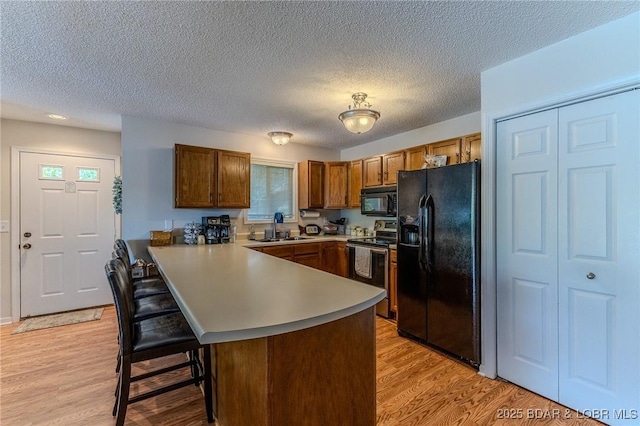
x=150 y=339
x=142 y=287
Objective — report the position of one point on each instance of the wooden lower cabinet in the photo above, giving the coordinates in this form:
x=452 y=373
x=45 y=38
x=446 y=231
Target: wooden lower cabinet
x=329 y=257
x=283 y=252
x=318 y=376
x=308 y=254
x=342 y=259
x=393 y=281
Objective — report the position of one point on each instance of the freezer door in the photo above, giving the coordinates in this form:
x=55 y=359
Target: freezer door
x=412 y=293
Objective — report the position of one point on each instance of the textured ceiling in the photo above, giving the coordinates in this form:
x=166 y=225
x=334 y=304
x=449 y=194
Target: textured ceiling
x=255 y=67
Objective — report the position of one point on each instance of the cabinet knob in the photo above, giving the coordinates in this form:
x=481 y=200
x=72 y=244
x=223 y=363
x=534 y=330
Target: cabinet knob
x=591 y=275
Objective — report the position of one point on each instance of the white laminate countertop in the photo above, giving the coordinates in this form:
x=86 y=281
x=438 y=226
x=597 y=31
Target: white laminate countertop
x=229 y=292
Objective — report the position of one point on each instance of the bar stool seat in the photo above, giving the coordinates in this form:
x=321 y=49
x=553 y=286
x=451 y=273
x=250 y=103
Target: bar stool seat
x=154 y=305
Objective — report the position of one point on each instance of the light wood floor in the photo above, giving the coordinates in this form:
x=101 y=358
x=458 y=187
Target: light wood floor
x=65 y=376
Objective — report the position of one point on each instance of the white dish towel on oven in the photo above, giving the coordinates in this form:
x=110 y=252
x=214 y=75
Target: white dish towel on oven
x=363 y=262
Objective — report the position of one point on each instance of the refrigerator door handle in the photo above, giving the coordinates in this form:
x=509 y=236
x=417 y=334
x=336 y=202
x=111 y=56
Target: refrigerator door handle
x=428 y=241
x=421 y=229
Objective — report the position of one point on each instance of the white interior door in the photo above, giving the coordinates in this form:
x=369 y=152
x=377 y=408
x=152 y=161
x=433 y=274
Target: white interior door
x=67 y=229
x=527 y=271
x=599 y=262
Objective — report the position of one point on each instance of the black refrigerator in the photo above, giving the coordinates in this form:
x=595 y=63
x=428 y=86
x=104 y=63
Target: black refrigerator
x=438 y=259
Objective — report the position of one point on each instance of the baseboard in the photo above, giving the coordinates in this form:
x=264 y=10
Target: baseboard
x=5 y=320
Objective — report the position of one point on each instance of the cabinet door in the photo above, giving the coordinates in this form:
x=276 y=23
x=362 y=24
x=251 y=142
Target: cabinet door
x=393 y=281
x=336 y=185
x=310 y=185
x=309 y=254
x=234 y=179
x=342 y=264
x=195 y=176
x=329 y=257
x=355 y=183
x=450 y=148
x=372 y=171
x=471 y=147
x=414 y=158
x=391 y=163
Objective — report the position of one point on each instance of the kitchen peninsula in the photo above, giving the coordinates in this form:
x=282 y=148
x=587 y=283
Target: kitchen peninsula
x=291 y=344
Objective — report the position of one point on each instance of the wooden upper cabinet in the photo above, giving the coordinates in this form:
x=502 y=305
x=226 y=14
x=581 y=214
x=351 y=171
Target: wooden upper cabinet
x=450 y=148
x=414 y=158
x=336 y=184
x=234 y=179
x=195 y=177
x=391 y=163
x=310 y=184
x=355 y=183
x=208 y=178
x=372 y=171
x=471 y=147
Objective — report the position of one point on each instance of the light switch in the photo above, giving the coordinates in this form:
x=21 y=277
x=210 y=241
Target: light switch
x=168 y=224
x=4 y=226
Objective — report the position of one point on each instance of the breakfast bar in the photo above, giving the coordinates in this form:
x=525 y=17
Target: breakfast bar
x=291 y=344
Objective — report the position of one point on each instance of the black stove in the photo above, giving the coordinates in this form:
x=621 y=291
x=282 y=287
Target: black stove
x=372 y=241
x=385 y=236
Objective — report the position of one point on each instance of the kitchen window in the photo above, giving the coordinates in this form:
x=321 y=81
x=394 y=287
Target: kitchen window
x=273 y=189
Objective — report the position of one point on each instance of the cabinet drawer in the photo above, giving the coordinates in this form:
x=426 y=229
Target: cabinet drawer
x=309 y=248
x=279 y=251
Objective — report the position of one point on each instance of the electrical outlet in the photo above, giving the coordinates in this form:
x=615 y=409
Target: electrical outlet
x=4 y=226
x=168 y=224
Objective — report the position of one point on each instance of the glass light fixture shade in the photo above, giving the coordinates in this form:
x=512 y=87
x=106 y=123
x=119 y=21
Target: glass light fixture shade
x=280 y=138
x=359 y=120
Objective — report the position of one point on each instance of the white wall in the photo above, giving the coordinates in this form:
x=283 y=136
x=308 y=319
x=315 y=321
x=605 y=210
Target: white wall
x=43 y=136
x=147 y=172
x=459 y=126
x=598 y=60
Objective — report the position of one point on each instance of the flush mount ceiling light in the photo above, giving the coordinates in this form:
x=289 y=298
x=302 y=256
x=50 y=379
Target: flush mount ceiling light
x=360 y=119
x=280 y=138
x=57 y=116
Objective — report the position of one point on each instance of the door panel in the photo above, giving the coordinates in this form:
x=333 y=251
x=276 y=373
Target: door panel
x=67 y=228
x=599 y=320
x=527 y=252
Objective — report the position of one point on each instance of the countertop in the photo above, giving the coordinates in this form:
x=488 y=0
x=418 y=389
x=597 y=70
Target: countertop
x=229 y=292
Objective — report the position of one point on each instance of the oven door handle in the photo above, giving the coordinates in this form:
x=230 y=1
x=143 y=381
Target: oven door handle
x=373 y=250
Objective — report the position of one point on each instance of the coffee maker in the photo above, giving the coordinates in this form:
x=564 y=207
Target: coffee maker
x=216 y=229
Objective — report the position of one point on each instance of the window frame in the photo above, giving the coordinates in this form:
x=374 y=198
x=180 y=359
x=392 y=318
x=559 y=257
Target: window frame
x=294 y=187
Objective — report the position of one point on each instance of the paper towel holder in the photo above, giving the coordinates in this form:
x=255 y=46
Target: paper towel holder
x=309 y=213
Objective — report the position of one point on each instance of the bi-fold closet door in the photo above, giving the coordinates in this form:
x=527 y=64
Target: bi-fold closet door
x=568 y=254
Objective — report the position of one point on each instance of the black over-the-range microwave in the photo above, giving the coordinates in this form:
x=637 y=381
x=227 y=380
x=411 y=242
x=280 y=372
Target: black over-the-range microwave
x=379 y=201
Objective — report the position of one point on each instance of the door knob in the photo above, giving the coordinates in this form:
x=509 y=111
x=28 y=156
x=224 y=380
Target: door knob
x=26 y=246
x=27 y=234
x=591 y=275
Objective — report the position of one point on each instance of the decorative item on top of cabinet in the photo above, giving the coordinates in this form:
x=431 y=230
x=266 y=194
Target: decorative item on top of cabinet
x=415 y=157
x=195 y=177
x=355 y=183
x=393 y=281
x=471 y=147
x=210 y=178
x=336 y=184
x=372 y=171
x=391 y=163
x=234 y=179
x=310 y=185
x=450 y=148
